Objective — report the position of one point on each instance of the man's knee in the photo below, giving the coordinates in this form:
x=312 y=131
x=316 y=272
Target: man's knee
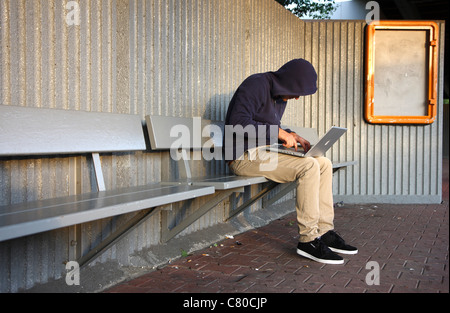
x=325 y=164
x=309 y=167
x=312 y=162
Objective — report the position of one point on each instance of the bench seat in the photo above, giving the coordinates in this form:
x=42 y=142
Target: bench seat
x=342 y=165
x=220 y=182
x=28 y=218
x=230 y=181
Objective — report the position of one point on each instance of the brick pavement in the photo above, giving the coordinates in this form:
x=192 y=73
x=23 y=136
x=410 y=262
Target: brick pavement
x=409 y=243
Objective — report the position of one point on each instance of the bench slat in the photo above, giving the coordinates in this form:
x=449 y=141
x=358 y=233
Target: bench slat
x=221 y=182
x=23 y=219
x=224 y=182
x=338 y=166
x=38 y=131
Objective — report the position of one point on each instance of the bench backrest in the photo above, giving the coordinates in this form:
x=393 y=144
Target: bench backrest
x=38 y=131
x=167 y=132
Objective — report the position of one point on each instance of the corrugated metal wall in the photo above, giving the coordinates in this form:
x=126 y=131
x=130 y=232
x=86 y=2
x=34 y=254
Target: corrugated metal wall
x=397 y=164
x=183 y=58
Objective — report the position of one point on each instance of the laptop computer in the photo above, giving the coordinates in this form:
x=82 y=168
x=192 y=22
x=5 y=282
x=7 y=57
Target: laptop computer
x=317 y=150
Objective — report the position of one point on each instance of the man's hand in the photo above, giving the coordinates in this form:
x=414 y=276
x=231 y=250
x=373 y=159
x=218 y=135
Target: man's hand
x=290 y=140
x=305 y=143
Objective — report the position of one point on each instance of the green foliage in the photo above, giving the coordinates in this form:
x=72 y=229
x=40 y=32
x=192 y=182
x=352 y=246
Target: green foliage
x=316 y=9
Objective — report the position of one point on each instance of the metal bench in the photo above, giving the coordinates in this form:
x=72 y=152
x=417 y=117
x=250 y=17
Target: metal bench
x=45 y=132
x=189 y=139
x=187 y=134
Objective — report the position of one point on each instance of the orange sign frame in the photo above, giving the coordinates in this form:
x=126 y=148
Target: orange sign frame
x=433 y=29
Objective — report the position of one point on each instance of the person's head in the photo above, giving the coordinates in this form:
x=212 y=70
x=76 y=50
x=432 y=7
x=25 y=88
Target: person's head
x=294 y=79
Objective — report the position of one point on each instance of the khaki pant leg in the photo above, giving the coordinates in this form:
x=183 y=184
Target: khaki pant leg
x=314 y=200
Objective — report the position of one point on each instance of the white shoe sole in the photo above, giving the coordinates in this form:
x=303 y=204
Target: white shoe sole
x=343 y=251
x=309 y=256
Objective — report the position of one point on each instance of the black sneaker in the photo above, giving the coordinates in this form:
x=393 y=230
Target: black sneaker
x=337 y=244
x=316 y=250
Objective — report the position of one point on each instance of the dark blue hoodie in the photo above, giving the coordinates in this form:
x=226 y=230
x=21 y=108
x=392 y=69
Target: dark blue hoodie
x=258 y=102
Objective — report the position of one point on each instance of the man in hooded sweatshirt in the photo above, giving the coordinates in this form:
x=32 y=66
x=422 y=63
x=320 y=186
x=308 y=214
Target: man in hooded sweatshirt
x=254 y=116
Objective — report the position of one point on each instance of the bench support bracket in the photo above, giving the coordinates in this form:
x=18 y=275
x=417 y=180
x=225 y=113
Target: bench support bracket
x=249 y=202
x=98 y=172
x=167 y=234
x=118 y=234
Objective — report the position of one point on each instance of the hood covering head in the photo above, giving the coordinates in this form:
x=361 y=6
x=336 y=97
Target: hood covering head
x=296 y=78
